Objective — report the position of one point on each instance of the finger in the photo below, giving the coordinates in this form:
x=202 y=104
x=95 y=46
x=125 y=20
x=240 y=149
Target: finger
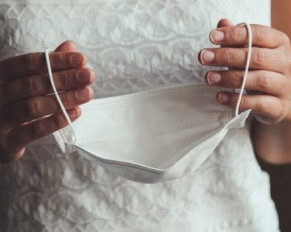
x=34 y=63
x=263 y=36
x=25 y=134
x=266 y=105
x=10 y=156
x=259 y=80
x=224 y=23
x=67 y=46
x=38 y=107
x=39 y=85
x=261 y=58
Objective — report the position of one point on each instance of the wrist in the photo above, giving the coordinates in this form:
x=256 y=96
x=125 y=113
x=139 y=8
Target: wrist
x=272 y=143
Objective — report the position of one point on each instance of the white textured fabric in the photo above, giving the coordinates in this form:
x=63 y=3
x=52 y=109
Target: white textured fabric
x=132 y=45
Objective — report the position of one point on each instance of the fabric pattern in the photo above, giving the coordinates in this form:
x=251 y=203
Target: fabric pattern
x=132 y=45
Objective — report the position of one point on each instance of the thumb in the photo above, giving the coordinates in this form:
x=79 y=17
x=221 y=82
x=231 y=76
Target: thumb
x=224 y=23
x=67 y=46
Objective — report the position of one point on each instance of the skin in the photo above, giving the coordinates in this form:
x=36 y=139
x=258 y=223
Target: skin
x=269 y=77
x=272 y=143
x=27 y=112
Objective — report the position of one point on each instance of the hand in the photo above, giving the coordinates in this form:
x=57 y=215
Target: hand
x=28 y=110
x=270 y=69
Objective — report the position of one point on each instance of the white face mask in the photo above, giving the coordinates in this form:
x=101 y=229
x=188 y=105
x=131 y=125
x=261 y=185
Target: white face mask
x=151 y=136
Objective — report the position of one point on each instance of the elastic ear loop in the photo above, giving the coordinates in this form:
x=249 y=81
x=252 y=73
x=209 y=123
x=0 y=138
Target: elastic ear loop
x=250 y=41
x=47 y=51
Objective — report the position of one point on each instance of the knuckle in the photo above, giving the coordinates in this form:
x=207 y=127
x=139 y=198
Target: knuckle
x=58 y=122
x=259 y=33
x=58 y=60
x=228 y=56
x=33 y=61
x=31 y=87
x=235 y=79
x=64 y=79
x=261 y=105
x=260 y=58
x=32 y=107
x=264 y=81
x=65 y=98
x=235 y=33
x=243 y=104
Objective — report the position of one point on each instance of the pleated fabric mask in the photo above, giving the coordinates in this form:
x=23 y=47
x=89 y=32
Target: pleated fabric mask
x=155 y=135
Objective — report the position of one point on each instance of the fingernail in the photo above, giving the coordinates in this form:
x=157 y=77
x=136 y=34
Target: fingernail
x=83 y=76
x=73 y=113
x=82 y=94
x=213 y=78
x=223 y=98
x=217 y=36
x=77 y=59
x=207 y=56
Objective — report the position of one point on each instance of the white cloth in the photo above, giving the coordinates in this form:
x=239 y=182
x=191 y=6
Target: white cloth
x=151 y=136
x=132 y=45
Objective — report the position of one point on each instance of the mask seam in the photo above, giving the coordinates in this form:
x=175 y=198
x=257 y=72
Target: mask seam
x=64 y=136
x=132 y=99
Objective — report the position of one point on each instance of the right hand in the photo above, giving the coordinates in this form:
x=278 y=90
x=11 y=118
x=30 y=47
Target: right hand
x=28 y=110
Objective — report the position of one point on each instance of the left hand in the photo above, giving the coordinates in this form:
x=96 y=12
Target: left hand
x=269 y=74
x=28 y=110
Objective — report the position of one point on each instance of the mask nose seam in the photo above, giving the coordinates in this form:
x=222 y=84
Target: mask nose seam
x=47 y=51
x=248 y=60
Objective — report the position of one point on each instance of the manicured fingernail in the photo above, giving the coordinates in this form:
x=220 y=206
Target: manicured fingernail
x=223 y=98
x=82 y=94
x=207 y=56
x=217 y=36
x=77 y=59
x=83 y=76
x=213 y=78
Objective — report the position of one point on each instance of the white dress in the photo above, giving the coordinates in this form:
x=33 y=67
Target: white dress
x=132 y=45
